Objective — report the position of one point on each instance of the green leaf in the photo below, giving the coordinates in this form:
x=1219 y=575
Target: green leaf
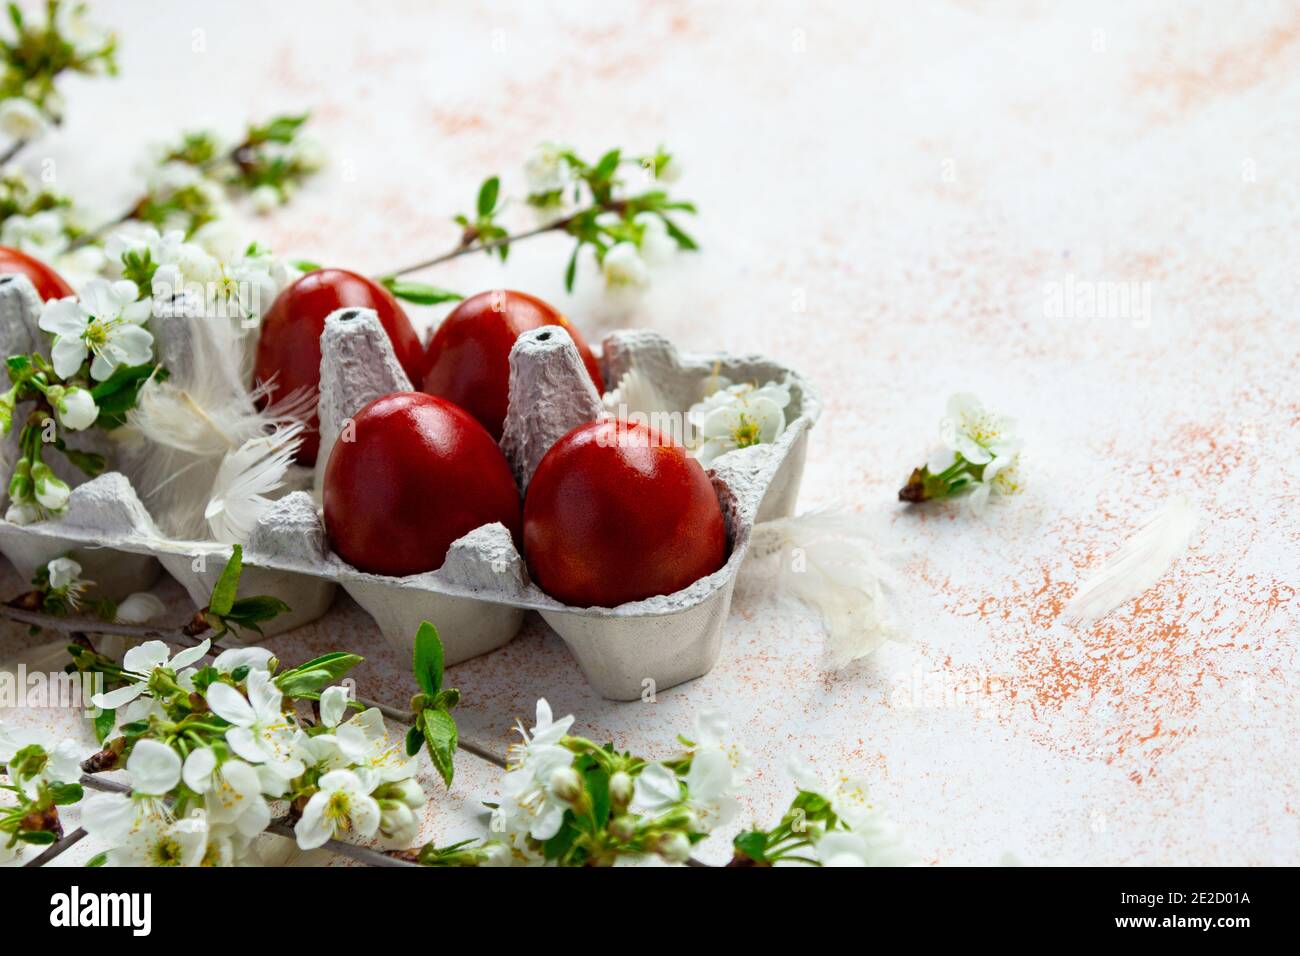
x=487 y=196
x=281 y=129
x=414 y=740
x=682 y=239
x=99 y=859
x=316 y=674
x=753 y=844
x=223 y=595
x=37 y=837
x=419 y=292
x=427 y=659
x=64 y=794
x=571 y=270
x=249 y=612
x=117 y=394
x=560 y=844
x=606 y=165
x=89 y=462
x=306 y=265
x=597 y=779
x=103 y=722
x=439 y=731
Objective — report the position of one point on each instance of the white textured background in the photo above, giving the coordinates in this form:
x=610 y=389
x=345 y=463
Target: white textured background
x=915 y=176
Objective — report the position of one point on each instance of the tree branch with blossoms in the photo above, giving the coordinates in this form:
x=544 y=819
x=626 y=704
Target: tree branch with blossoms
x=626 y=231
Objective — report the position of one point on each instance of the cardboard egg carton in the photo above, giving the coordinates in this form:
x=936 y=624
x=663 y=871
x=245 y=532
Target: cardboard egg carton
x=478 y=598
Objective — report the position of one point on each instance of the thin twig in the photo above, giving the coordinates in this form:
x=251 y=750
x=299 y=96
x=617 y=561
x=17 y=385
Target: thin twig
x=54 y=849
x=14 y=149
x=465 y=249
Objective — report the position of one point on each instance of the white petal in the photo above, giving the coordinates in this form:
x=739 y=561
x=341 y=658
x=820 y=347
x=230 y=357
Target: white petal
x=68 y=354
x=312 y=829
x=229 y=704
x=134 y=342
x=154 y=767
x=143 y=658
x=243 y=743
x=108 y=816
x=64 y=317
x=97 y=299
x=197 y=771
x=333 y=705
x=191 y=655
x=264 y=696
x=365 y=815
x=114 y=699
x=139 y=608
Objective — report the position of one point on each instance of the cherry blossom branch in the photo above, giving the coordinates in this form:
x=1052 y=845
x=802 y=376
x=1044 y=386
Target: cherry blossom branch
x=188 y=636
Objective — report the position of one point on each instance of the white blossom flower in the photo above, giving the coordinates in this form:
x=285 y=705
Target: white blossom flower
x=547 y=170
x=262 y=733
x=623 y=267
x=62 y=762
x=40 y=234
x=141 y=662
x=86 y=37
x=159 y=840
x=104 y=323
x=231 y=791
x=341 y=805
x=139 y=608
x=656 y=789
x=738 y=416
x=1001 y=477
x=265 y=199
x=528 y=805
x=367 y=748
x=720 y=766
x=870 y=839
x=21 y=119
x=154 y=770
x=975 y=433
x=63 y=572
x=75 y=407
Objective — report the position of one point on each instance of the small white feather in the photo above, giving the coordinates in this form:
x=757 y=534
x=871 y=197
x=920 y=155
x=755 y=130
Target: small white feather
x=635 y=393
x=1139 y=563
x=246 y=476
x=182 y=429
x=832 y=568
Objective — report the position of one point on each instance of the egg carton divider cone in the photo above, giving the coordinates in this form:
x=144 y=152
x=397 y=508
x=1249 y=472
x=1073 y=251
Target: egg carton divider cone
x=477 y=599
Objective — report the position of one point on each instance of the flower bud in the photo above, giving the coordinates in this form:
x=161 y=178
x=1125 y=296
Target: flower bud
x=77 y=409
x=621 y=788
x=51 y=493
x=22 y=512
x=566 y=785
x=139 y=608
x=673 y=847
x=20 y=485
x=408 y=792
x=623 y=828
x=398 y=824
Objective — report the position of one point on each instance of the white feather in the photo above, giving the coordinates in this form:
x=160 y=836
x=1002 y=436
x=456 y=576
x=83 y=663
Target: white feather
x=180 y=431
x=1139 y=563
x=831 y=567
x=635 y=393
x=244 y=479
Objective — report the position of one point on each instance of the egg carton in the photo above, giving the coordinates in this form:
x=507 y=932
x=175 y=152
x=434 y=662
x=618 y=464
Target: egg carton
x=479 y=596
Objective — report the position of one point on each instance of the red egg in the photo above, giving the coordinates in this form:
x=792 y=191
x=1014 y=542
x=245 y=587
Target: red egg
x=48 y=283
x=469 y=356
x=617 y=512
x=288 y=349
x=417 y=474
